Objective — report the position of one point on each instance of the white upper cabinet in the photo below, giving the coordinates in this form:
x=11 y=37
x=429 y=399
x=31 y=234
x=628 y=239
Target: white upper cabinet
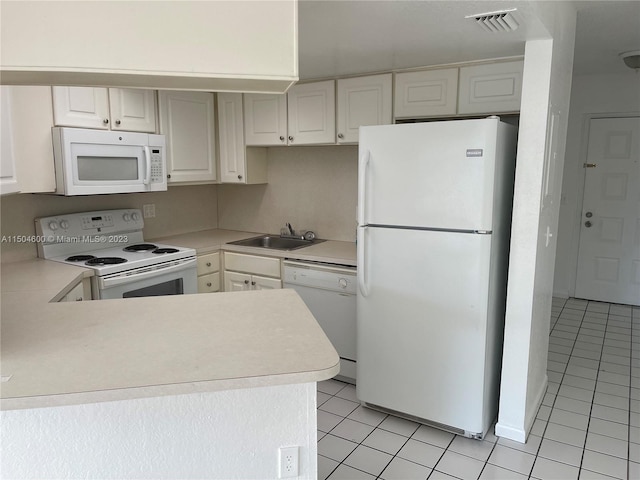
x=133 y=109
x=265 y=119
x=85 y=107
x=363 y=101
x=426 y=93
x=27 y=150
x=311 y=113
x=188 y=121
x=8 y=174
x=237 y=163
x=490 y=88
x=113 y=108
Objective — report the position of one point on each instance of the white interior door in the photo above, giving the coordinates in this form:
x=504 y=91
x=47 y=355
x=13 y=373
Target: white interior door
x=609 y=250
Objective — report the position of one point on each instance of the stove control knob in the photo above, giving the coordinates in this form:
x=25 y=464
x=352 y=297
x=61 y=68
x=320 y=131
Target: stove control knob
x=64 y=224
x=53 y=226
x=135 y=217
x=126 y=217
x=343 y=283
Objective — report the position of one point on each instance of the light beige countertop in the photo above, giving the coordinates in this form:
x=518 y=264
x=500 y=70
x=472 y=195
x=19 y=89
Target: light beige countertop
x=206 y=241
x=83 y=352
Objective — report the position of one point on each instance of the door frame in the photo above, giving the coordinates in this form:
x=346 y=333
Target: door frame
x=577 y=217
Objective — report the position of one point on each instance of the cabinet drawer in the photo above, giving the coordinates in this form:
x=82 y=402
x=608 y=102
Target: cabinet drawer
x=208 y=263
x=209 y=283
x=267 y=266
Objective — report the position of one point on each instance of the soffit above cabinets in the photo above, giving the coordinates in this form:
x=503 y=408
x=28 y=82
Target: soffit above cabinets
x=213 y=45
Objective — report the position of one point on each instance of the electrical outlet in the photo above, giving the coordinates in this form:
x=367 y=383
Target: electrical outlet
x=149 y=211
x=288 y=462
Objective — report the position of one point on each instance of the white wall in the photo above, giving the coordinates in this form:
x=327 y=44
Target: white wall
x=314 y=188
x=545 y=93
x=178 y=210
x=591 y=96
x=232 y=434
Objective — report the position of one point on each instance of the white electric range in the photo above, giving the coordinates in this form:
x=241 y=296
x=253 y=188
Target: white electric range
x=111 y=242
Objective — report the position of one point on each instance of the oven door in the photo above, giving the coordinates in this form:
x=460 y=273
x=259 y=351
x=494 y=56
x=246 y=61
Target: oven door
x=171 y=278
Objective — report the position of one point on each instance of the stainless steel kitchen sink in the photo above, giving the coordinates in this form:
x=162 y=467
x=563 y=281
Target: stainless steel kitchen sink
x=276 y=243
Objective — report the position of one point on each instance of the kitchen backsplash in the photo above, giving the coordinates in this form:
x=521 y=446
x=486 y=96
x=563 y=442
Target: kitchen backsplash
x=314 y=188
x=178 y=210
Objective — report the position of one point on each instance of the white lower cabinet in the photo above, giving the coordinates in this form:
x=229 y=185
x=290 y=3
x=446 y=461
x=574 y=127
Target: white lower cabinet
x=244 y=272
x=240 y=282
x=79 y=293
x=208 y=272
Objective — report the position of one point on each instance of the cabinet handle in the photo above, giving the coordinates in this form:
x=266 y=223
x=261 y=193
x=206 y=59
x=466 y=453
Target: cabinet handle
x=290 y=138
x=239 y=177
x=118 y=122
x=79 y=299
x=282 y=138
x=340 y=135
x=208 y=284
x=169 y=175
x=253 y=283
x=208 y=264
x=246 y=282
x=105 y=121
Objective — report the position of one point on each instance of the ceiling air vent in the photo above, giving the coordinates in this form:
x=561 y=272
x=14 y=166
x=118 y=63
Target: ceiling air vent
x=502 y=21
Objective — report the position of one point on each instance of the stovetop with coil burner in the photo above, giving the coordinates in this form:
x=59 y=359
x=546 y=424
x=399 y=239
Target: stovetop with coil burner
x=108 y=241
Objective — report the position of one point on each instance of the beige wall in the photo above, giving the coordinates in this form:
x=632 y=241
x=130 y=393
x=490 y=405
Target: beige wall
x=313 y=188
x=178 y=210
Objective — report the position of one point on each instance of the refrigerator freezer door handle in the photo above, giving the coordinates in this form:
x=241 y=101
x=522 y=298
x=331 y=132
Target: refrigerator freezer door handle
x=361 y=262
x=362 y=184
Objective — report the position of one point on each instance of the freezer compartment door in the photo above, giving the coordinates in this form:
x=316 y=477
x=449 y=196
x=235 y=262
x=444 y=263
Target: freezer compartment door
x=422 y=323
x=437 y=174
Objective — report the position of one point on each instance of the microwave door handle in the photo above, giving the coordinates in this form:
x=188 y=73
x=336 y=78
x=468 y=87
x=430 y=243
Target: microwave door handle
x=118 y=280
x=147 y=163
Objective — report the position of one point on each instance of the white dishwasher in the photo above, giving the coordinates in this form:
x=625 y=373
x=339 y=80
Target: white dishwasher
x=330 y=294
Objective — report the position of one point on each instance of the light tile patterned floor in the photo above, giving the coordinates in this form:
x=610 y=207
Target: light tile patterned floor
x=588 y=426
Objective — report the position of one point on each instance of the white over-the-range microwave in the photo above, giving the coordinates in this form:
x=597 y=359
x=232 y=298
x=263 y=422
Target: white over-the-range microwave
x=94 y=162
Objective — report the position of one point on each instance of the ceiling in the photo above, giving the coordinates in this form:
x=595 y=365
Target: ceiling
x=344 y=37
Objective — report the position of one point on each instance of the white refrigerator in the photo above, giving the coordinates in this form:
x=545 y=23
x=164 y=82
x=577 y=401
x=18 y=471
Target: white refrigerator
x=434 y=216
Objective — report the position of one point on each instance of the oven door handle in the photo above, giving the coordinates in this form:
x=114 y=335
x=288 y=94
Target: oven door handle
x=119 y=279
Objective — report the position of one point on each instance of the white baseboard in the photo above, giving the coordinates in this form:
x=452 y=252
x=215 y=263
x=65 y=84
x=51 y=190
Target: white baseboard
x=517 y=433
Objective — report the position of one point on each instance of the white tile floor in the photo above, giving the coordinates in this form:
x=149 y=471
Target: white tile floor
x=588 y=426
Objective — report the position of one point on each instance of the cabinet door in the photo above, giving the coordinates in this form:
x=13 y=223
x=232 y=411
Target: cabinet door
x=187 y=119
x=490 y=88
x=312 y=113
x=8 y=176
x=426 y=94
x=265 y=119
x=362 y=101
x=133 y=109
x=264 y=283
x=84 y=107
x=230 y=128
x=236 y=282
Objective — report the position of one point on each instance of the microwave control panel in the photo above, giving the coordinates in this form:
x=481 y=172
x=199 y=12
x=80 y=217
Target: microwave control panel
x=157 y=173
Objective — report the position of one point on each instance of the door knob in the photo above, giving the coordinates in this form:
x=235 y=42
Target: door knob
x=588 y=224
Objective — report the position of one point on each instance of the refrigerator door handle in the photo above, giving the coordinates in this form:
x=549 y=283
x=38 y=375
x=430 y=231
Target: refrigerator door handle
x=361 y=262
x=362 y=186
